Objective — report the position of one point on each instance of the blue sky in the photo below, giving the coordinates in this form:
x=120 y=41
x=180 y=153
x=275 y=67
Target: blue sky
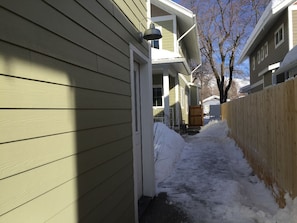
x=243 y=66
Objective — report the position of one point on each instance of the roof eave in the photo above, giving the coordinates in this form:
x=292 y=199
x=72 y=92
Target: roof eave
x=179 y=63
x=255 y=33
x=267 y=19
x=189 y=19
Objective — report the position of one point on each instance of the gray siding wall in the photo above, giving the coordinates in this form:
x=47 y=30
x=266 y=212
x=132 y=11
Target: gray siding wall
x=65 y=112
x=274 y=54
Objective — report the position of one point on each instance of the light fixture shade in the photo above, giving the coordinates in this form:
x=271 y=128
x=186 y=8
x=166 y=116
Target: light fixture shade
x=152 y=33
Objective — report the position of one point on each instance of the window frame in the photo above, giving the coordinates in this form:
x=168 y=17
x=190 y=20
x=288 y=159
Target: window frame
x=262 y=53
x=253 y=63
x=258 y=56
x=162 y=97
x=158 y=40
x=277 y=40
x=266 y=49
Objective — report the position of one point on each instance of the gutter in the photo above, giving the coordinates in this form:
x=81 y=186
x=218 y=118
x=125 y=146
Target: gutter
x=270 y=13
x=186 y=33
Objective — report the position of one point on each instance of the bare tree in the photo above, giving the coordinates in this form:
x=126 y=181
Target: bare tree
x=258 y=6
x=203 y=77
x=223 y=26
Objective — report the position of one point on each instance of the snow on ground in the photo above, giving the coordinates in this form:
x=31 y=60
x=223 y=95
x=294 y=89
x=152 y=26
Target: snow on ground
x=168 y=146
x=207 y=176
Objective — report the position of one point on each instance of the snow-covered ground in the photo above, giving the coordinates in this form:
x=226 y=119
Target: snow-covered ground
x=207 y=176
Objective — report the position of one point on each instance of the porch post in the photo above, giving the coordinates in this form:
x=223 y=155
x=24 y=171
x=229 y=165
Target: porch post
x=166 y=96
x=177 y=100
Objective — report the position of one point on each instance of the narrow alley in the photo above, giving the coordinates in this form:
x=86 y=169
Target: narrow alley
x=211 y=182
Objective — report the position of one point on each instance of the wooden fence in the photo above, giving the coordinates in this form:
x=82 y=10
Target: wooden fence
x=195 y=116
x=264 y=125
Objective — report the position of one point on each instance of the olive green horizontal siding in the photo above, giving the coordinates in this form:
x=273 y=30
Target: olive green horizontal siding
x=36 y=94
x=57 y=173
x=172 y=88
x=158 y=112
x=24 y=63
x=184 y=109
x=27 y=123
x=51 y=202
x=16 y=157
x=65 y=111
x=135 y=11
x=122 y=196
x=167 y=33
x=89 y=198
x=294 y=20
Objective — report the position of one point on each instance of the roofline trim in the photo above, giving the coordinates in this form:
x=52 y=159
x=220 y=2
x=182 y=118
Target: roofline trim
x=270 y=12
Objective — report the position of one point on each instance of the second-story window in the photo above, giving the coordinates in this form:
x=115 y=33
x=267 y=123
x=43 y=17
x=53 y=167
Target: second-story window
x=279 y=36
x=258 y=56
x=262 y=53
x=155 y=44
x=158 y=42
x=266 y=49
x=253 y=63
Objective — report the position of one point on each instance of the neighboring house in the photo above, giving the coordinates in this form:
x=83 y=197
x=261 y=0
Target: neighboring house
x=74 y=144
x=273 y=37
x=212 y=108
x=173 y=56
x=211 y=100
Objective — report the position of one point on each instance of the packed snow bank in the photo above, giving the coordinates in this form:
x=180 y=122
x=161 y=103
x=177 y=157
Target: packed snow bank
x=214 y=130
x=288 y=214
x=212 y=181
x=167 y=148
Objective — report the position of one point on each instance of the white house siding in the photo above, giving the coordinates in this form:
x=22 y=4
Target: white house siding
x=65 y=112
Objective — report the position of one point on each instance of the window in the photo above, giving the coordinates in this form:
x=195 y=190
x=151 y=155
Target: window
x=258 y=57
x=157 y=96
x=279 y=36
x=253 y=63
x=155 y=44
x=158 y=42
x=262 y=53
x=266 y=49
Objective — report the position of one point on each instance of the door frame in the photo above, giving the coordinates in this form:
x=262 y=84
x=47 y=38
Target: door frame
x=146 y=117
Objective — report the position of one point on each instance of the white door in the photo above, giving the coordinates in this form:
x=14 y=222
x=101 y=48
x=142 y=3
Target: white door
x=136 y=97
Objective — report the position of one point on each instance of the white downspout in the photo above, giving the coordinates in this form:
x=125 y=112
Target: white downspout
x=196 y=68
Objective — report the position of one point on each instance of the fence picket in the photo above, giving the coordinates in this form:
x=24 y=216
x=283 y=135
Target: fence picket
x=264 y=125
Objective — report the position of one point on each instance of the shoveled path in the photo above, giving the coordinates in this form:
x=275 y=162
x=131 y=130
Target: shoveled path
x=212 y=183
x=160 y=210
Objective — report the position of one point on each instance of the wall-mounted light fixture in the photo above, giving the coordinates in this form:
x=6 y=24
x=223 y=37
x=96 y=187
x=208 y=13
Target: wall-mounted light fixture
x=152 y=33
